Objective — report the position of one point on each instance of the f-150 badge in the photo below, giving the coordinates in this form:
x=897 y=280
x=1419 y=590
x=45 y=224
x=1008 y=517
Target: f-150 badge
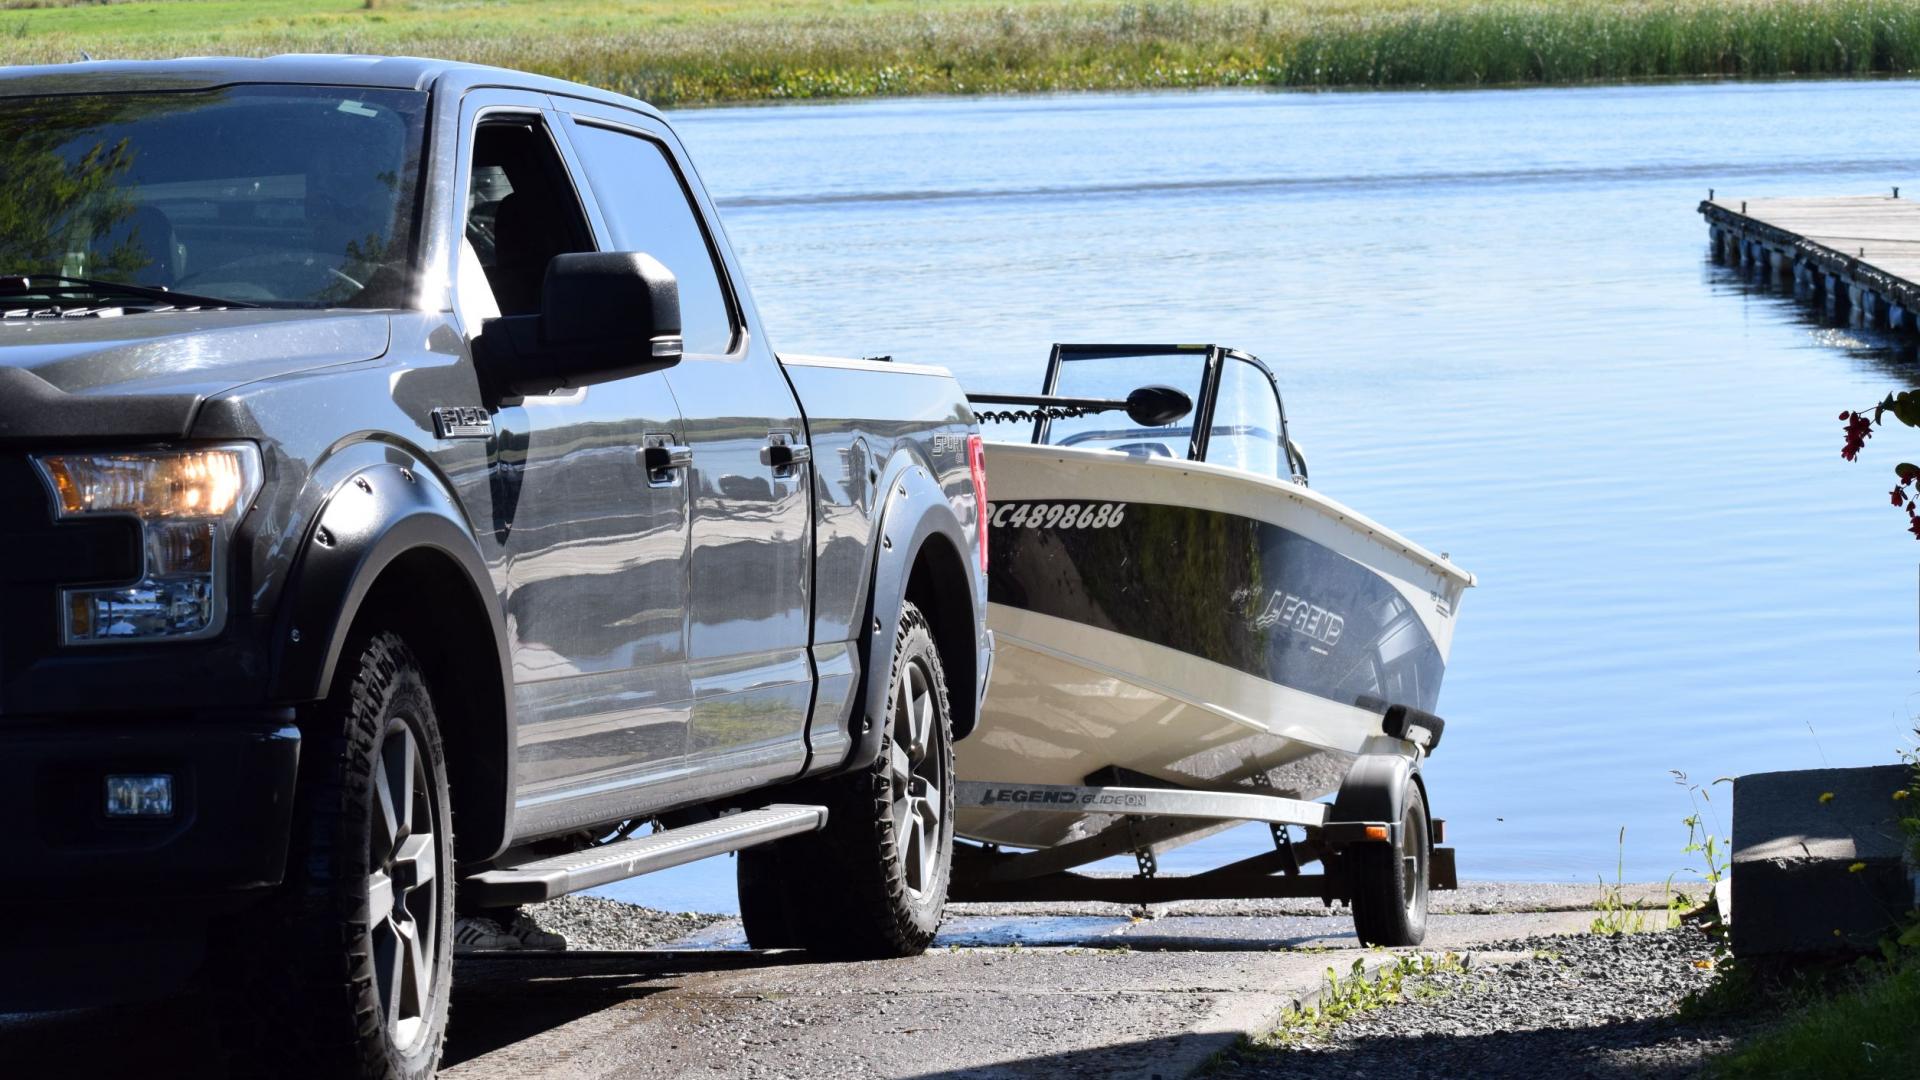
x=462 y=422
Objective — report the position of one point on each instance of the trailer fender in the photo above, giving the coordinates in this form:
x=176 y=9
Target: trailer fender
x=915 y=511
x=1373 y=794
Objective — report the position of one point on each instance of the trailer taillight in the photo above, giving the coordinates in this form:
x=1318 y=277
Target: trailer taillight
x=977 y=465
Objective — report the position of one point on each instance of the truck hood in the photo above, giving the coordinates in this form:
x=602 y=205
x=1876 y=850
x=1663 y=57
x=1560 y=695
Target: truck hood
x=146 y=375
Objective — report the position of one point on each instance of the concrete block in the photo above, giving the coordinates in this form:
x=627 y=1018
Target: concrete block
x=1794 y=855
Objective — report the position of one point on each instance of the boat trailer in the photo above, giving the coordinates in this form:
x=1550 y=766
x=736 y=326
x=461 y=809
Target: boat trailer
x=1153 y=814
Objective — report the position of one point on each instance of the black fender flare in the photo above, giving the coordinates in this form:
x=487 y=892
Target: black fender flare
x=380 y=510
x=914 y=510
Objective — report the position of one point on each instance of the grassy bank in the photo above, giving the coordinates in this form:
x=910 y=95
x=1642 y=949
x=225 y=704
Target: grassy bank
x=1864 y=1032
x=742 y=50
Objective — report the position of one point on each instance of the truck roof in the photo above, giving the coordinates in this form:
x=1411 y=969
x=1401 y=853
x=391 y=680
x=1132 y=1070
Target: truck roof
x=201 y=72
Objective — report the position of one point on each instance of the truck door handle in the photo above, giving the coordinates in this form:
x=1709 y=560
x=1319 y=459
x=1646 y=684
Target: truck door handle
x=662 y=459
x=785 y=457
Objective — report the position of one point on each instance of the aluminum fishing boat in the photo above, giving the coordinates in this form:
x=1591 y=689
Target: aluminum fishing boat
x=1176 y=610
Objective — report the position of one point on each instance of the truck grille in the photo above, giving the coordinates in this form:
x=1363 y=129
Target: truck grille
x=37 y=556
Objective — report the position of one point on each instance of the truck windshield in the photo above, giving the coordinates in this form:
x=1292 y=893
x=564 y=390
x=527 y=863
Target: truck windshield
x=277 y=196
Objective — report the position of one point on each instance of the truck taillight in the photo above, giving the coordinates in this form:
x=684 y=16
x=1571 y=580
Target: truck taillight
x=977 y=466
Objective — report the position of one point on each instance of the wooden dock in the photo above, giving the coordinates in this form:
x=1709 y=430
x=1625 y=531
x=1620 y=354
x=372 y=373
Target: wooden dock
x=1860 y=252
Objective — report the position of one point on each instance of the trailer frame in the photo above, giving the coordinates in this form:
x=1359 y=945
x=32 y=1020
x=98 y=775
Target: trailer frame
x=1152 y=813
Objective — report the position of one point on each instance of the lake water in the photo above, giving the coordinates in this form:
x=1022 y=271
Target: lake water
x=1497 y=330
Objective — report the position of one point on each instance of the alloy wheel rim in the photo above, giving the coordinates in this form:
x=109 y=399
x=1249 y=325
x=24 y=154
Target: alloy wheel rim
x=403 y=887
x=915 y=759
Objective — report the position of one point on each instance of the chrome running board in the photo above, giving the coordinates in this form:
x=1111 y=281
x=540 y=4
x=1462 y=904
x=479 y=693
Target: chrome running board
x=558 y=875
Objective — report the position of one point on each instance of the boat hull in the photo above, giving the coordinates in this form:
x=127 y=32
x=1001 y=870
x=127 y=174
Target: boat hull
x=1193 y=624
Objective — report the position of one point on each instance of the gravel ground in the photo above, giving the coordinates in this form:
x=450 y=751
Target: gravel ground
x=590 y=923
x=1588 y=1006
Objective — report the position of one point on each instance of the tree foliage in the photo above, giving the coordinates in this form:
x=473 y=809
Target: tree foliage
x=1905 y=408
x=64 y=186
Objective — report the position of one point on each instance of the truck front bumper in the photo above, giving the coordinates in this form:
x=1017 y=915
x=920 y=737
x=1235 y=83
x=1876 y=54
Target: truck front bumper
x=111 y=910
x=232 y=779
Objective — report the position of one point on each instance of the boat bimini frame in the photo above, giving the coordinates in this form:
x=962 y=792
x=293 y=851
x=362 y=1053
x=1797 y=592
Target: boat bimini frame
x=1155 y=816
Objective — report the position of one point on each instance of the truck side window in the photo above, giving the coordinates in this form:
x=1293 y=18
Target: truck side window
x=521 y=211
x=647 y=208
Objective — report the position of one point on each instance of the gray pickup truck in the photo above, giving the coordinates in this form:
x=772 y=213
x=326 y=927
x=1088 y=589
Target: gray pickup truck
x=406 y=514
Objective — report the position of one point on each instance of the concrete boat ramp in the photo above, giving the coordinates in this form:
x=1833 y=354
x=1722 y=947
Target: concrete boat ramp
x=1009 y=991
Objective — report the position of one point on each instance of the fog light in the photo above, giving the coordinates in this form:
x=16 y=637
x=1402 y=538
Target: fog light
x=140 y=796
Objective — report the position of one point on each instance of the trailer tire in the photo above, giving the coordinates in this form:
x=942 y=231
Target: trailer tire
x=873 y=883
x=1390 y=881
x=347 y=971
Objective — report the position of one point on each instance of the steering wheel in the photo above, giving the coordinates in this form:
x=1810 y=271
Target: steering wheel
x=1143 y=449
x=282 y=275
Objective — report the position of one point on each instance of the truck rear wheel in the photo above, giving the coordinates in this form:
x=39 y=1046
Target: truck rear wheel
x=353 y=963
x=1390 y=881
x=873 y=883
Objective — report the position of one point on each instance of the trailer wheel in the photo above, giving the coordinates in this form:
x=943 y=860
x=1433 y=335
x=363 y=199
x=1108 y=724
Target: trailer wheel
x=347 y=971
x=873 y=883
x=1390 y=881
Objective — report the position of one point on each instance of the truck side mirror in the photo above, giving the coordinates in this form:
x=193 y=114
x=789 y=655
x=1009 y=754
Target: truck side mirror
x=604 y=315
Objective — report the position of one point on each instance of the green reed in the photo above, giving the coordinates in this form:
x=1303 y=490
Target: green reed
x=758 y=50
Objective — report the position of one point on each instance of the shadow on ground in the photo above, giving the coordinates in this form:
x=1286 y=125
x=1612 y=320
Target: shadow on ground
x=493 y=1008
x=179 y=1038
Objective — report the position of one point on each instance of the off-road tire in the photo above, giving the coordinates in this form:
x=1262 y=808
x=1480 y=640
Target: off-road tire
x=307 y=991
x=861 y=887
x=1390 y=881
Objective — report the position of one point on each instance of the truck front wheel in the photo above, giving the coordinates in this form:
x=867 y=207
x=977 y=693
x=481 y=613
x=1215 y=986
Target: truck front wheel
x=872 y=884
x=353 y=962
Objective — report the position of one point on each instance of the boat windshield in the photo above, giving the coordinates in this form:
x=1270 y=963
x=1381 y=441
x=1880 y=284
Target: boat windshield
x=271 y=195
x=1098 y=374
x=1247 y=431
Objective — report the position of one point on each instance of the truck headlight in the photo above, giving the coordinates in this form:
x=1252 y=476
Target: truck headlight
x=187 y=503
